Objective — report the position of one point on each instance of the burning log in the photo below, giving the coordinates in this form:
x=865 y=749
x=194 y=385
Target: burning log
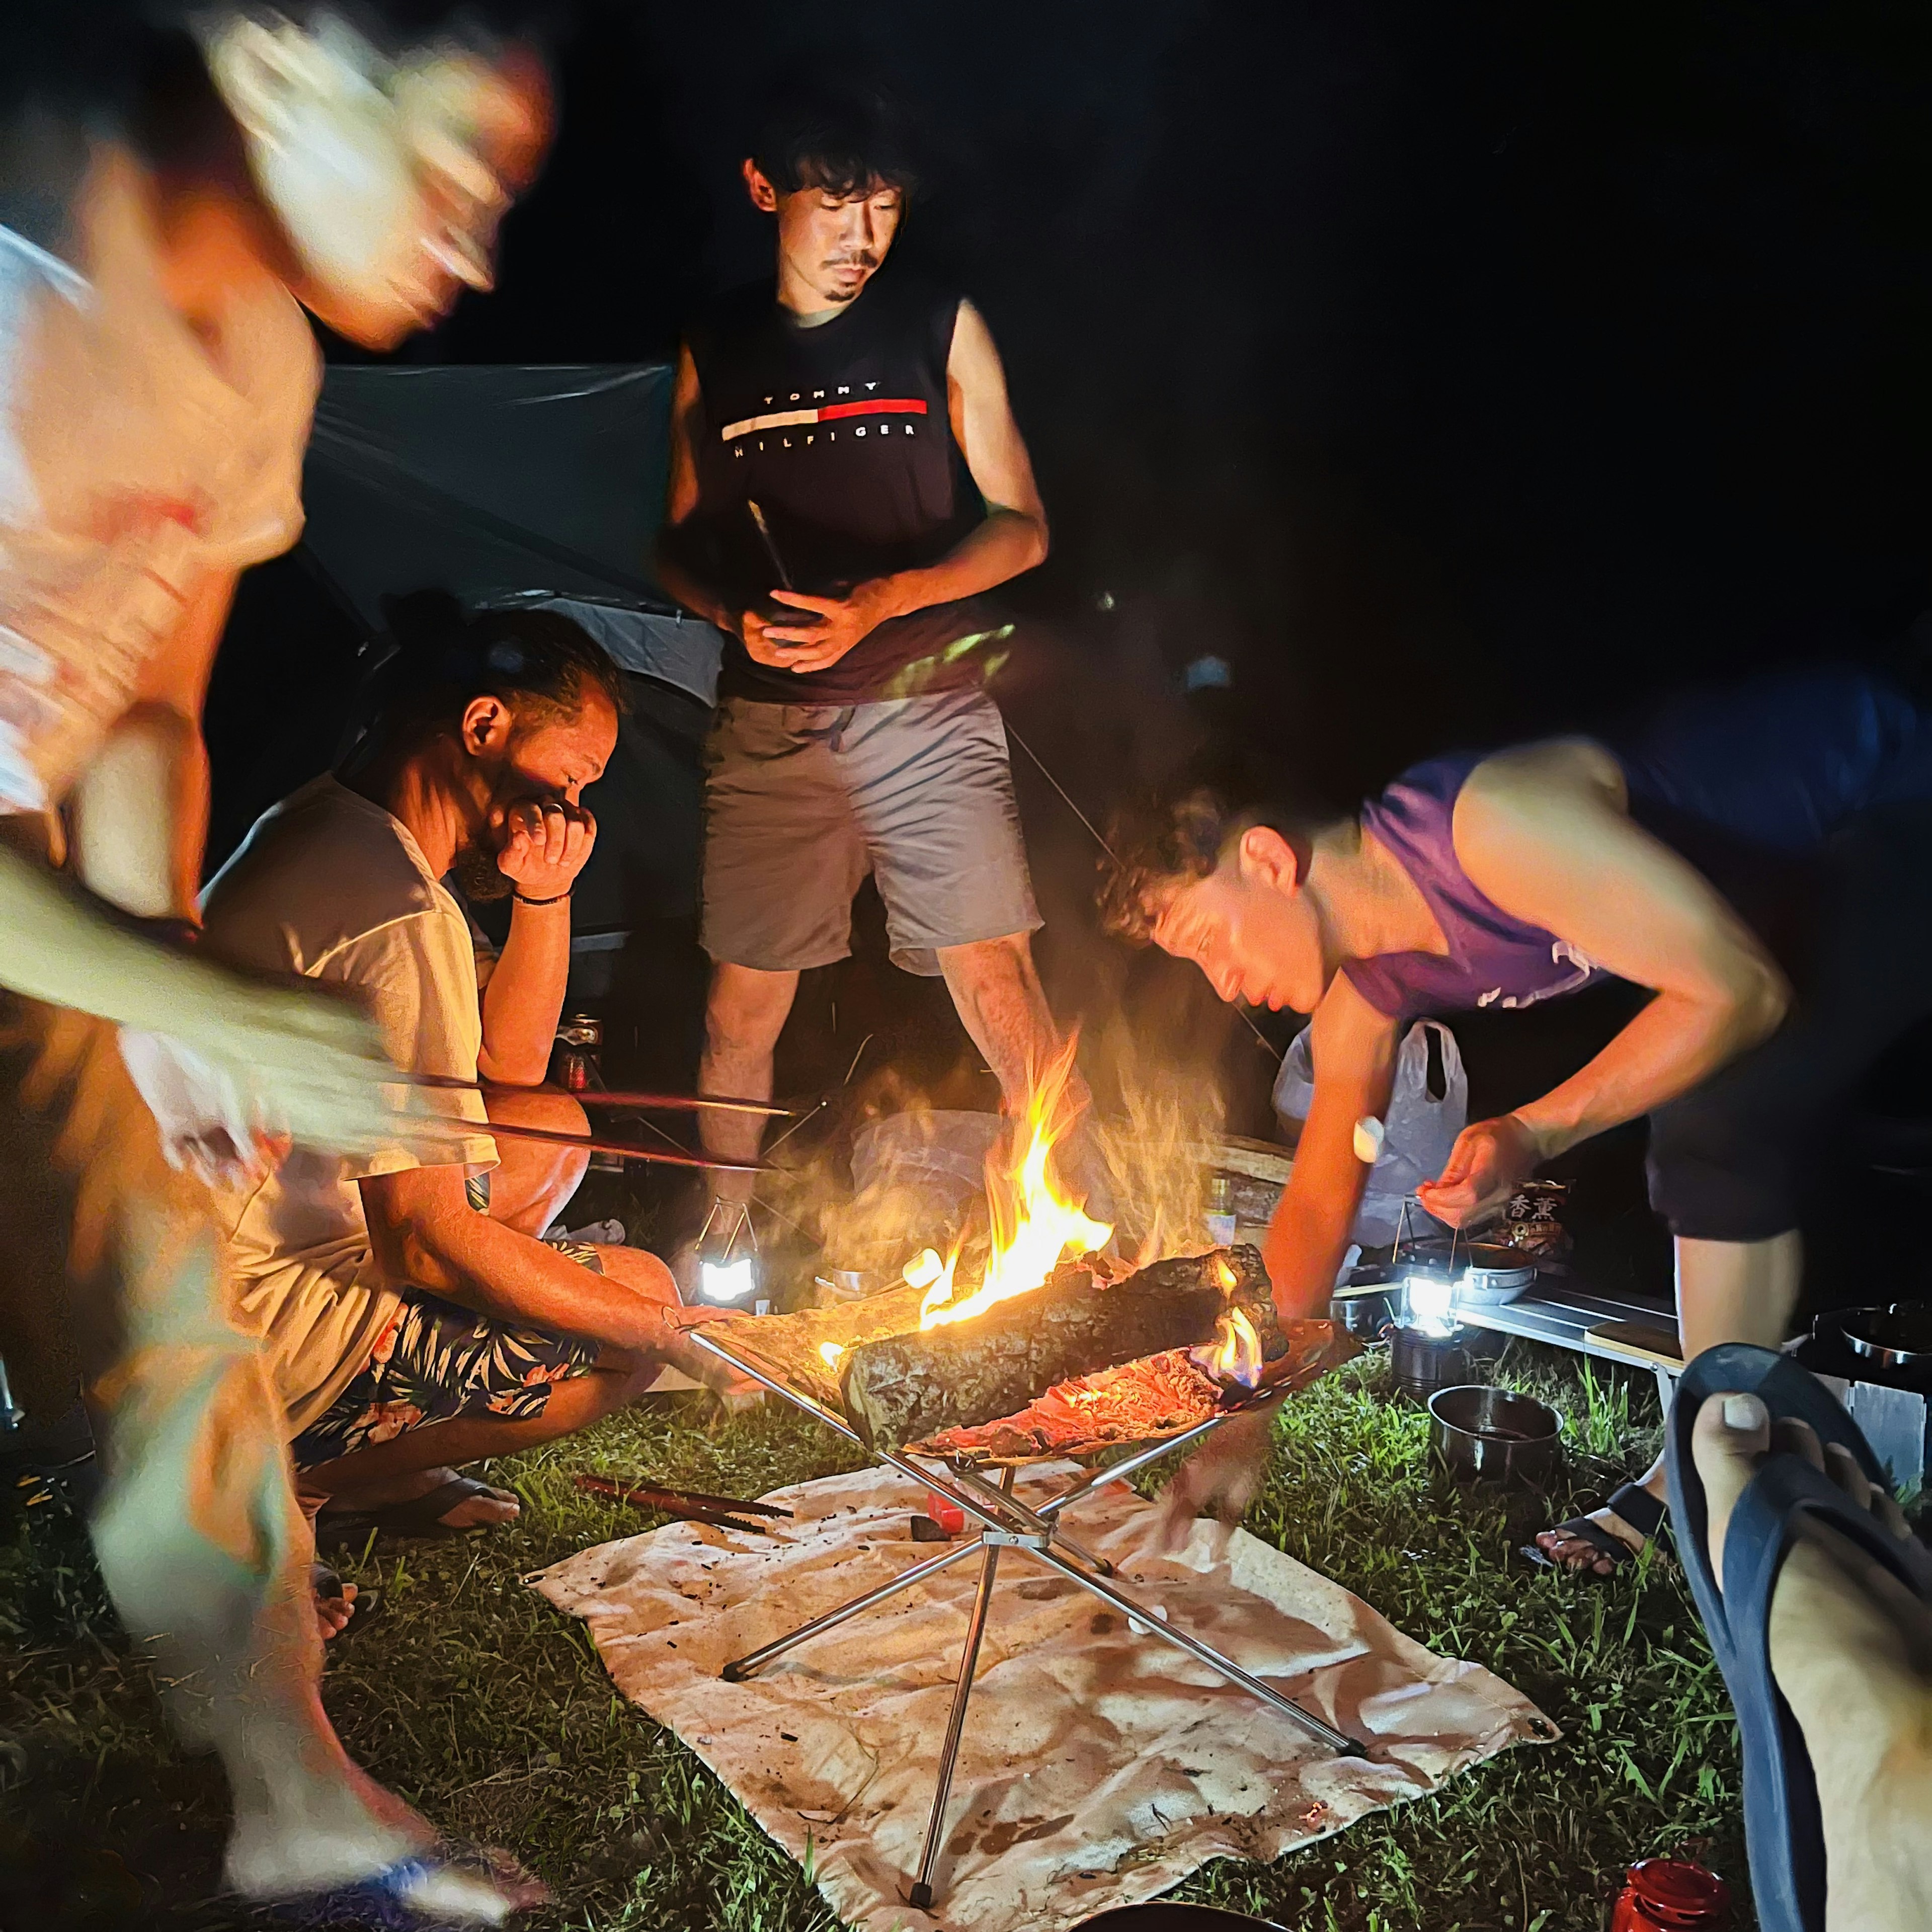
x=905 y=1388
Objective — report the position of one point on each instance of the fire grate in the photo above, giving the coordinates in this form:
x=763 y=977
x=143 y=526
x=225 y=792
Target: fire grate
x=781 y=1352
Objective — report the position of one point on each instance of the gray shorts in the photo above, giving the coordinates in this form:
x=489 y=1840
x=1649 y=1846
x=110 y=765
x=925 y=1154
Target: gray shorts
x=802 y=800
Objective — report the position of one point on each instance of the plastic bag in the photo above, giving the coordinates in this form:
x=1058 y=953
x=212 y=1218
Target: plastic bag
x=1420 y=1128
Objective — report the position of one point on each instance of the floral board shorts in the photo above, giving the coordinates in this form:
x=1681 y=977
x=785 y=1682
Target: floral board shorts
x=436 y=1360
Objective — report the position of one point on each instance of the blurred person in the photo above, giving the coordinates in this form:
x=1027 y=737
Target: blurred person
x=172 y=185
x=1760 y=857
x=847 y=477
x=412 y=1314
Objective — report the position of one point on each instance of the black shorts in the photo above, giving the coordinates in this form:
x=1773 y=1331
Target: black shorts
x=1728 y=1160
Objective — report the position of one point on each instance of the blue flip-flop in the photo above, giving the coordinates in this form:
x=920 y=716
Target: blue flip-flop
x=1782 y=1826
x=381 y=1902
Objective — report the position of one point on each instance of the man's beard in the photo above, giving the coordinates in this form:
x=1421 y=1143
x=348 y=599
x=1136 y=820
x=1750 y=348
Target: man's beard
x=478 y=877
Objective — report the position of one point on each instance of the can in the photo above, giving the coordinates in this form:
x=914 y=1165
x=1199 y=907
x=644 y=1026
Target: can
x=1672 y=1895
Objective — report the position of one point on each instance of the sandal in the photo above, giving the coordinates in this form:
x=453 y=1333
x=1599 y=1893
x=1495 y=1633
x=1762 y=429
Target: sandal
x=1634 y=1504
x=422 y=1516
x=1783 y=1832
x=382 y=1901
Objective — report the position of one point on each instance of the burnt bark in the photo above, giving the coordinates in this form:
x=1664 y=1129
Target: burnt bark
x=903 y=1388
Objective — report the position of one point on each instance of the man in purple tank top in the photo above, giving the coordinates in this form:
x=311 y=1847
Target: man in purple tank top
x=1760 y=859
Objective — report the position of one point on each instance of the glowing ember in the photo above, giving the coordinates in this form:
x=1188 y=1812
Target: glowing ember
x=828 y=1353
x=1236 y=1355
x=1034 y=1225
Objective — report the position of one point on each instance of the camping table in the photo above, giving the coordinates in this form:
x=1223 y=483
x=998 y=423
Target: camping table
x=1005 y=1523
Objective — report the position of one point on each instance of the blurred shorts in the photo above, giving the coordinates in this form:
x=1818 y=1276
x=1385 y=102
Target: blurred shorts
x=802 y=800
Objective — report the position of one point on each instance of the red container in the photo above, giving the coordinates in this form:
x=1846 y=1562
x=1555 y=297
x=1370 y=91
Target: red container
x=950 y=1517
x=1672 y=1895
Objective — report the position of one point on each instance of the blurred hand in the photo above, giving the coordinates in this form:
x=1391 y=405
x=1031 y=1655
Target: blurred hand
x=303 y=1066
x=548 y=844
x=208 y=1129
x=827 y=628
x=1221 y=1479
x=1490 y=1160
x=739 y=1392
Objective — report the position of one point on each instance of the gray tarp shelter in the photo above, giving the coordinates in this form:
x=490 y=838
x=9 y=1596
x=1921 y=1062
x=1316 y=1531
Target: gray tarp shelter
x=511 y=485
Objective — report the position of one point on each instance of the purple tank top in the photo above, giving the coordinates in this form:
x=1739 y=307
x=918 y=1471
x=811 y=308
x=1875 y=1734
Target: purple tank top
x=1772 y=768
x=1493 y=960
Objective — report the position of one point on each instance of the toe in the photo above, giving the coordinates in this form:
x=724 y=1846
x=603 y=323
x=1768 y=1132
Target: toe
x=1732 y=1433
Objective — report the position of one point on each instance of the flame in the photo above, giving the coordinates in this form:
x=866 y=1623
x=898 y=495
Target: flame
x=1034 y=1224
x=1236 y=1356
x=828 y=1353
x=1230 y=1281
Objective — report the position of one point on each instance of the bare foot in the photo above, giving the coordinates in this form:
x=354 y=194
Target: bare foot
x=1851 y=1649
x=333 y=1608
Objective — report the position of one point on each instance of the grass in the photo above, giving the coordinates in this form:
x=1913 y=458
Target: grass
x=471 y=1696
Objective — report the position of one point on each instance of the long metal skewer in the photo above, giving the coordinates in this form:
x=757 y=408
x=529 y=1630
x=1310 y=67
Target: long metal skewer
x=630 y=1149
x=600 y=1096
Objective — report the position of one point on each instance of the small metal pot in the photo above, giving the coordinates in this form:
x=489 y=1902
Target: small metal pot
x=1489 y=1433
x=1899 y=1336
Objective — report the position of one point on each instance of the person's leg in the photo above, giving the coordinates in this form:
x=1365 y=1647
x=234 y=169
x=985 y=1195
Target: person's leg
x=744 y=1014
x=198 y=1536
x=390 y=1472
x=531 y=1183
x=783 y=860
x=1727 y=1292
x=1851 y=1650
x=997 y=995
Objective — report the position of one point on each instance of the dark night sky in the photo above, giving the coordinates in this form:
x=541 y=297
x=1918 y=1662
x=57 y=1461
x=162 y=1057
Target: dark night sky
x=1456 y=371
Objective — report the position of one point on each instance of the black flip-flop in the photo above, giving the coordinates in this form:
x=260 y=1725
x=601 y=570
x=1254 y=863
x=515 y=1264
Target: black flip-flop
x=421 y=1516
x=1634 y=1504
x=1782 y=1831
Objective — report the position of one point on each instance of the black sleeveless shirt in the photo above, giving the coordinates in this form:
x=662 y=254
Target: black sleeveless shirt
x=840 y=433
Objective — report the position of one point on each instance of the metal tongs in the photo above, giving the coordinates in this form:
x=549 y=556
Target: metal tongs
x=687 y=1505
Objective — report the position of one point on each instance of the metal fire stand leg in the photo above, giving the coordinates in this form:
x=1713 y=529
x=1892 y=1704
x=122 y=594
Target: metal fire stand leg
x=921 y=1895
x=1206 y=1653
x=742 y=1667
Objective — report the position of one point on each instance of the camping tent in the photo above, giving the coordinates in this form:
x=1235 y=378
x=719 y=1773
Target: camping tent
x=508 y=486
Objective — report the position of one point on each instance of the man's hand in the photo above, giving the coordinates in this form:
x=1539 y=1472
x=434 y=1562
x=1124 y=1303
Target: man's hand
x=796 y=644
x=1220 y=1479
x=550 y=842
x=1490 y=1160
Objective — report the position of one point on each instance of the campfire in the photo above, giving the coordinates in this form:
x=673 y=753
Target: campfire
x=1053 y=1345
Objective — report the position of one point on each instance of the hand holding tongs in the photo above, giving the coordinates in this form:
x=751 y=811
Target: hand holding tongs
x=688 y=1505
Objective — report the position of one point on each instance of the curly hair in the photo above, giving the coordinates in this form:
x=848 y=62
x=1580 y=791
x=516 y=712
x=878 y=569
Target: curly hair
x=1166 y=840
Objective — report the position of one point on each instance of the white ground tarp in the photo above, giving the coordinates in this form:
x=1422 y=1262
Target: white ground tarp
x=1100 y=1768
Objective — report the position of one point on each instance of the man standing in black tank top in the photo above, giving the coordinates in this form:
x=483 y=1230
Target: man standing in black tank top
x=846 y=478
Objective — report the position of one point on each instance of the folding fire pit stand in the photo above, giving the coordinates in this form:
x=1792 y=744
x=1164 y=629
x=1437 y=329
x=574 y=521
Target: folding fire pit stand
x=1006 y=1523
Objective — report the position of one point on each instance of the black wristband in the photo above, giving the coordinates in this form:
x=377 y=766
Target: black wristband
x=558 y=900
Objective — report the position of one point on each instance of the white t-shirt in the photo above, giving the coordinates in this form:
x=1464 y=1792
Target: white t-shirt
x=331 y=885
x=136 y=458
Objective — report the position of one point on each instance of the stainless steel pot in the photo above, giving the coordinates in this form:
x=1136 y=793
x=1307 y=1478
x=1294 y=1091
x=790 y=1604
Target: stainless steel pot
x=1492 y=1434
x=1899 y=1336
